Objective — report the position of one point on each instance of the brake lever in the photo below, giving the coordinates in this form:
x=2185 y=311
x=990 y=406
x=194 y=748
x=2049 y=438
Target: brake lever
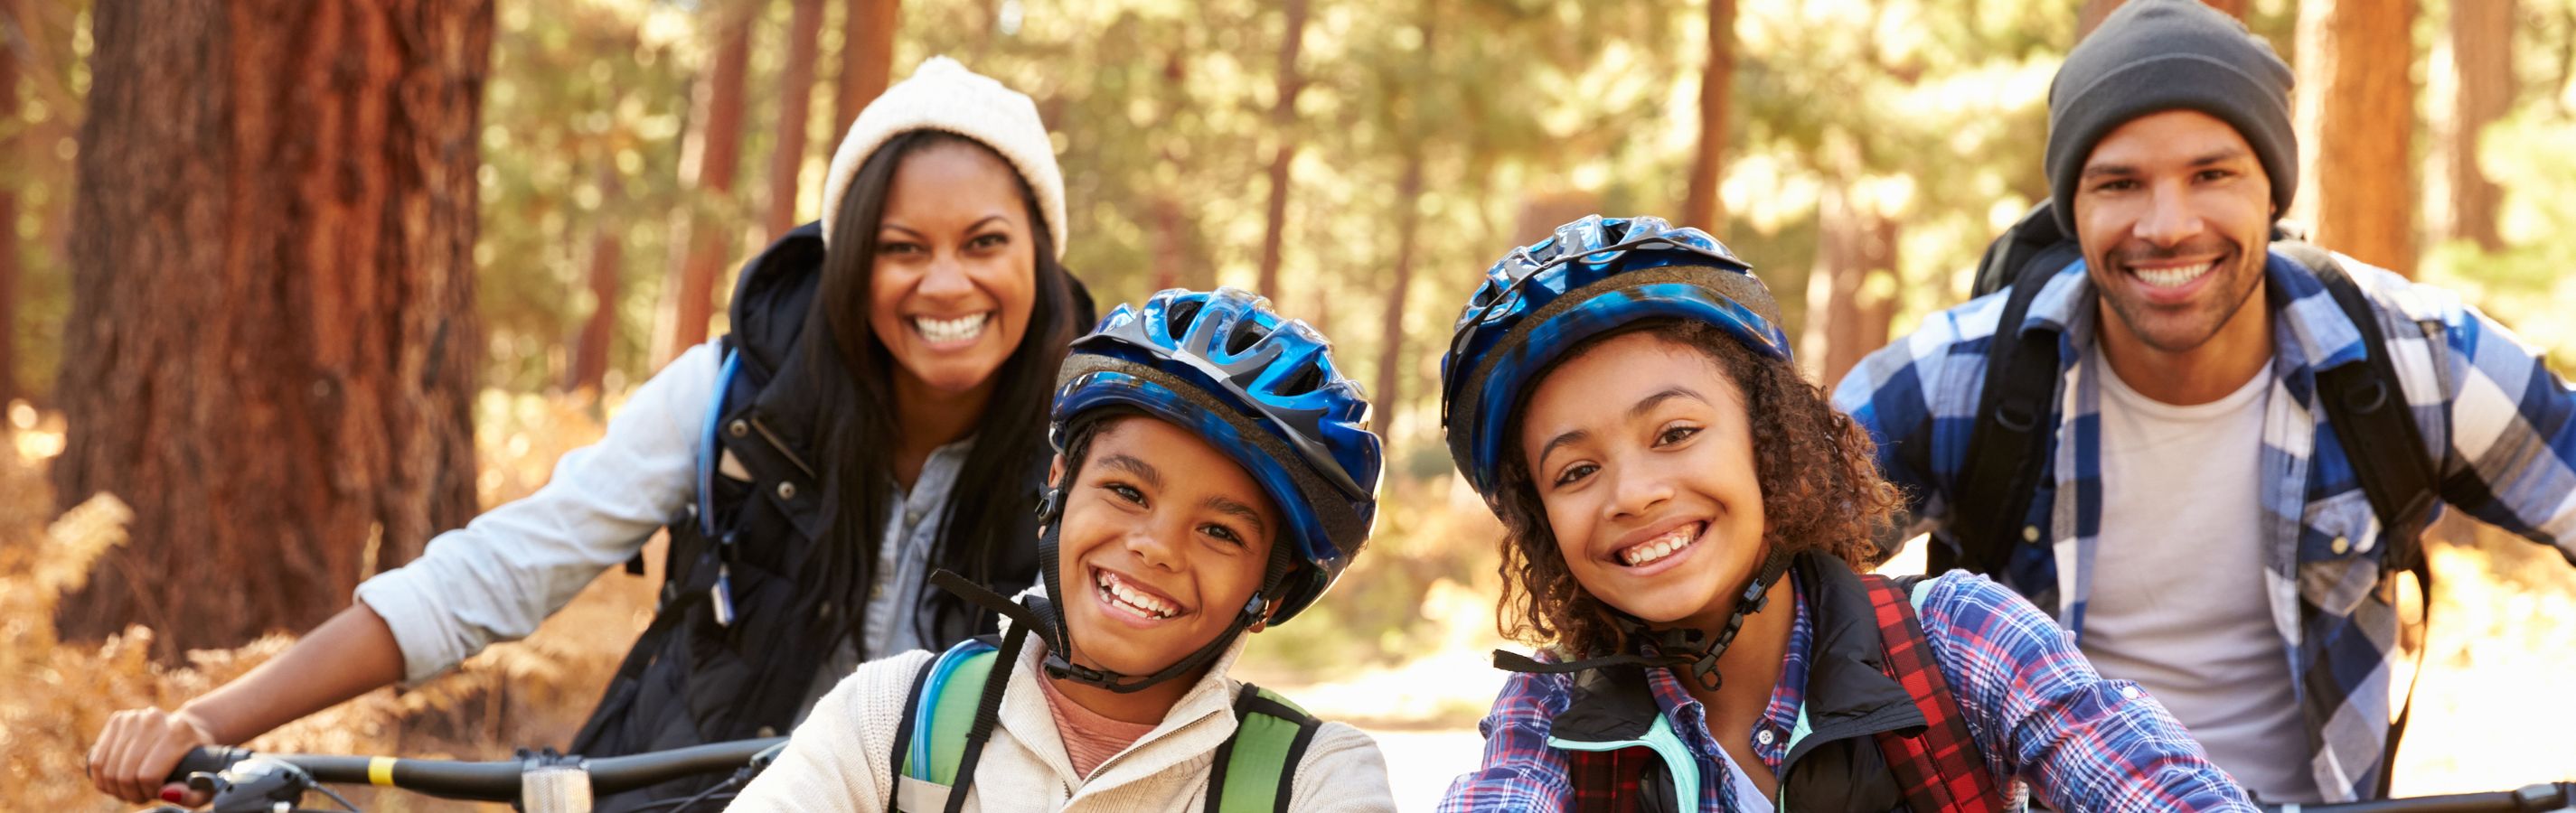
x=761 y=761
x=255 y=785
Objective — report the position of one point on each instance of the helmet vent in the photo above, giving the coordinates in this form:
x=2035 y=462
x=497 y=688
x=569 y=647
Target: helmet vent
x=1178 y=319
x=1246 y=334
x=1305 y=380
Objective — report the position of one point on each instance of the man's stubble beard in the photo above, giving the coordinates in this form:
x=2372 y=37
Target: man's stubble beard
x=2240 y=276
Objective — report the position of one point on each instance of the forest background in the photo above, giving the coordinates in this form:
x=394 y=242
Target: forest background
x=290 y=287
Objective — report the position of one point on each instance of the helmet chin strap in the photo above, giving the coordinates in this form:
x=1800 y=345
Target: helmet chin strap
x=1040 y=614
x=1677 y=647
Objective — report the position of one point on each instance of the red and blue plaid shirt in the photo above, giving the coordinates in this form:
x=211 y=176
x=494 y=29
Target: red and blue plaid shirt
x=2035 y=707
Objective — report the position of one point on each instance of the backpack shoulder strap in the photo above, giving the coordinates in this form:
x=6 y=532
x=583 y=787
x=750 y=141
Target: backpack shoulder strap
x=1256 y=769
x=903 y=730
x=942 y=710
x=2367 y=405
x=2009 y=441
x=1939 y=768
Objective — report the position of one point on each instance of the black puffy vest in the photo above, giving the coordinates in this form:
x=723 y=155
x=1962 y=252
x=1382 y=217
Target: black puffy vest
x=1838 y=766
x=691 y=680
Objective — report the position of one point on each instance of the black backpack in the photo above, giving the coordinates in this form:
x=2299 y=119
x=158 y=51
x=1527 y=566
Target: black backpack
x=2015 y=418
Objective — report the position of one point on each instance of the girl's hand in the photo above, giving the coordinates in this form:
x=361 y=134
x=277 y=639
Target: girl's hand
x=134 y=756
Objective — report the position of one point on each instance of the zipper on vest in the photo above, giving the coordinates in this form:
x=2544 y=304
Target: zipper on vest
x=781 y=446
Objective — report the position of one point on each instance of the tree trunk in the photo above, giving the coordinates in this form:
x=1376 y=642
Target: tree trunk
x=10 y=163
x=1172 y=233
x=795 y=108
x=1408 y=220
x=707 y=164
x=1845 y=321
x=607 y=257
x=1704 y=209
x=1283 y=126
x=2090 y=16
x=2355 y=108
x=2483 y=89
x=1171 y=255
x=274 y=349
x=867 y=59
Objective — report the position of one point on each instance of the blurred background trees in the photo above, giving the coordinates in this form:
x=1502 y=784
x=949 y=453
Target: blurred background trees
x=1361 y=163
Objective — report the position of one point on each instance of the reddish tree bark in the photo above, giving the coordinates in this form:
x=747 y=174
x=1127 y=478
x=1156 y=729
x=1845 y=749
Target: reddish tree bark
x=867 y=59
x=1843 y=323
x=607 y=257
x=274 y=342
x=795 y=111
x=9 y=162
x=1408 y=221
x=710 y=172
x=1283 y=126
x=2355 y=101
x=1171 y=250
x=1704 y=209
x=2090 y=15
x=2482 y=60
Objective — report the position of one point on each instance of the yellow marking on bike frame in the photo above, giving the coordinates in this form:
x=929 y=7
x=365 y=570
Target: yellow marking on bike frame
x=380 y=771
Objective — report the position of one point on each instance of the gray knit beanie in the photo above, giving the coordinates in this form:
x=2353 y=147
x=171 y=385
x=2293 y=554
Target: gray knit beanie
x=2151 y=56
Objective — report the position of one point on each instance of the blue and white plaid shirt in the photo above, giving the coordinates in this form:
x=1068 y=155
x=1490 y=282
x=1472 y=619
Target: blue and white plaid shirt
x=2496 y=421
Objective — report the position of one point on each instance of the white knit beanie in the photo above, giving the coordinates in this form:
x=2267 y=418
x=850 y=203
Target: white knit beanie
x=944 y=95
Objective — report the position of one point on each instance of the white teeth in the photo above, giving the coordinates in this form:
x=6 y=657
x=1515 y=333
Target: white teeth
x=1649 y=552
x=1112 y=589
x=941 y=331
x=2172 y=277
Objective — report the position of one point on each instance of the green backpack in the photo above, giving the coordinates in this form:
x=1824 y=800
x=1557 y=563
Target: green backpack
x=1255 y=769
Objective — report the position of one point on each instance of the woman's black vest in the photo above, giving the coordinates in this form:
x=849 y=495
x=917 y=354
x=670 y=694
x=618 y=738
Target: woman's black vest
x=694 y=677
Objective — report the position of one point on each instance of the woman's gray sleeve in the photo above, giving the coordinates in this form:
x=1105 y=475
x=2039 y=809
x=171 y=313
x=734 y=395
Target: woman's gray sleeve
x=503 y=573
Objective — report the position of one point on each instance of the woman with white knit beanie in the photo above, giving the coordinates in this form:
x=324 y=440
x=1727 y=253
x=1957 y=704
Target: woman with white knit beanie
x=877 y=413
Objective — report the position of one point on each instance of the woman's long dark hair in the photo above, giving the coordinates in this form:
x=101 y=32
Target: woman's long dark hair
x=992 y=500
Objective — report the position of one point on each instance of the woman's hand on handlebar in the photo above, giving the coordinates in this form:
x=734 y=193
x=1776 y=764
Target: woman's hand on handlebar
x=138 y=750
x=345 y=657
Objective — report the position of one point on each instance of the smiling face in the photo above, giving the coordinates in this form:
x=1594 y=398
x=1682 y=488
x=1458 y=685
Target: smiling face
x=1164 y=539
x=2174 y=213
x=1642 y=455
x=955 y=269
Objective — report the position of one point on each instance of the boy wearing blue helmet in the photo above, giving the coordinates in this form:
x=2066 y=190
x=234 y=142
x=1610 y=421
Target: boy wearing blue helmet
x=1684 y=515
x=1215 y=474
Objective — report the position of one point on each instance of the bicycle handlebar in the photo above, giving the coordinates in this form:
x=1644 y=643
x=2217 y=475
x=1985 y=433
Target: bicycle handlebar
x=488 y=781
x=2539 y=798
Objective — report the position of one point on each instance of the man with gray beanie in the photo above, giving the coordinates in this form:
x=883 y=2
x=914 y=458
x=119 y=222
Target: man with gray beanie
x=2211 y=451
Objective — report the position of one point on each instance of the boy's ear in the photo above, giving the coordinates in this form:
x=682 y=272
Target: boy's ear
x=1055 y=472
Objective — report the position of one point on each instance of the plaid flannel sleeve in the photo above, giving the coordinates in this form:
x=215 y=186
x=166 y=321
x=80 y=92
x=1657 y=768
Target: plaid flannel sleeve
x=1519 y=771
x=2040 y=712
x=1916 y=398
x=2512 y=429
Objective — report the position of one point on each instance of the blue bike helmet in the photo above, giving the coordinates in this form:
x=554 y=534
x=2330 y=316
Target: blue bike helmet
x=1261 y=389
x=1592 y=276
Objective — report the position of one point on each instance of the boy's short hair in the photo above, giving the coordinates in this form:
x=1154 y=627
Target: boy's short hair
x=1816 y=466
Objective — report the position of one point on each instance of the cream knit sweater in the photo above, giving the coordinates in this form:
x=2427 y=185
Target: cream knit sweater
x=839 y=759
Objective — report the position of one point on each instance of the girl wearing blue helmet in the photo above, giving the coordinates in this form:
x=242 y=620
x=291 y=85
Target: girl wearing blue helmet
x=1684 y=516
x=1215 y=474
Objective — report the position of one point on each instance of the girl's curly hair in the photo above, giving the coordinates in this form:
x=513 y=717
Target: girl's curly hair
x=1820 y=490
